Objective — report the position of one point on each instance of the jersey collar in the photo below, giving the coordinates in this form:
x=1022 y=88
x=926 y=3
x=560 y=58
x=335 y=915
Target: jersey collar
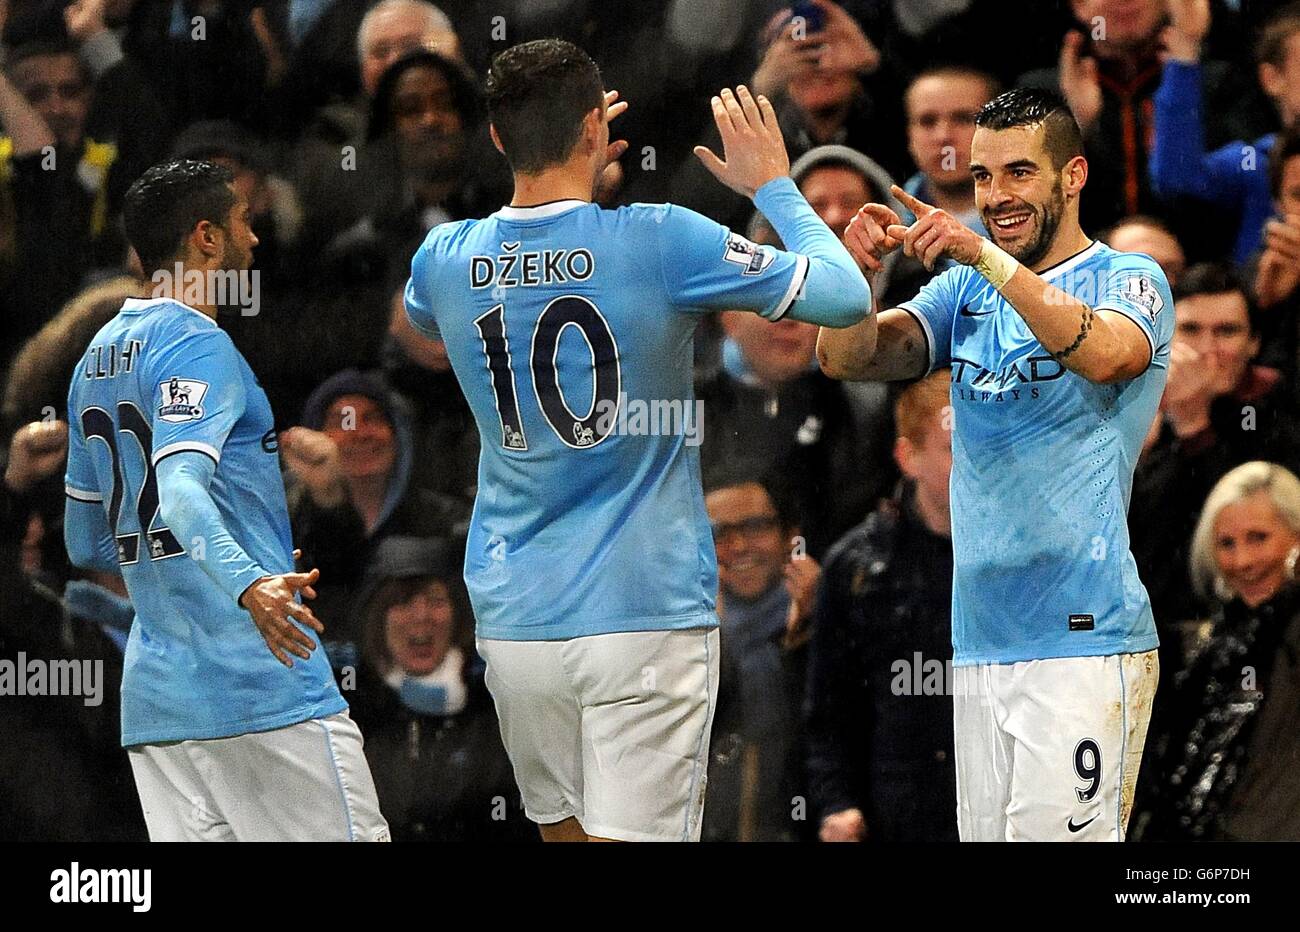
x=1066 y=264
x=540 y=211
x=136 y=305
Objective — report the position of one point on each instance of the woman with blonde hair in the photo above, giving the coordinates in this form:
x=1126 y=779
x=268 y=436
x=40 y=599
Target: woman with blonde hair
x=1228 y=763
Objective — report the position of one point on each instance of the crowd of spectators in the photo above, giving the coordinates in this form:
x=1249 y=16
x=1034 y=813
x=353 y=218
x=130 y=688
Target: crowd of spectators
x=354 y=127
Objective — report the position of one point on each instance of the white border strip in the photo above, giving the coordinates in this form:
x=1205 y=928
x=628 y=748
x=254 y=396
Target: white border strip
x=796 y=282
x=540 y=211
x=194 y=446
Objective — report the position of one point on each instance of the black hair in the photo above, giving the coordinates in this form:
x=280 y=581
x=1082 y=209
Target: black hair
x=538 y=94
x=164 y=205
x=1029 y=106
x=778 y=489
x=1217 y=278
x=465 y=96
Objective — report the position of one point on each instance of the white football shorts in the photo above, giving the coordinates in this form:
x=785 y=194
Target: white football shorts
x=1048 y=750
x=303 y=782
x=609 y=729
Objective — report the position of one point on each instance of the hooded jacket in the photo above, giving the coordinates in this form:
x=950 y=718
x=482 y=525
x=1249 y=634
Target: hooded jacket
x=335 y=539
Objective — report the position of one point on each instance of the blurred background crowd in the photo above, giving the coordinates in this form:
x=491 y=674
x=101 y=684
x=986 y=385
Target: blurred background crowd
x=354 y=127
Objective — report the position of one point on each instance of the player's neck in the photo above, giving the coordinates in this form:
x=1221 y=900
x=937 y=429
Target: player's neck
x=571 y=181
x=1066 y=244
x=178 y=282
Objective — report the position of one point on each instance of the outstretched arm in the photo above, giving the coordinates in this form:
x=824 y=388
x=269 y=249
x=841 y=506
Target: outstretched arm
x=833 y=292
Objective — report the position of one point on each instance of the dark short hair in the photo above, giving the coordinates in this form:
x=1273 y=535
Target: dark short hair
x=1285 y=148
x=538 y=94
x=1031 y=106
x=1270 y=47
x=1209 y=278
x=1206 y=278
x=778 y=489
x=164 y=205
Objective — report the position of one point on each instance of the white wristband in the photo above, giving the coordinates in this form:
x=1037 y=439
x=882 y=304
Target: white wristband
x=995 y=264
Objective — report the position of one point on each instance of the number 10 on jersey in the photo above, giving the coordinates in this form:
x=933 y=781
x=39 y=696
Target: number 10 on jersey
x=576 y=431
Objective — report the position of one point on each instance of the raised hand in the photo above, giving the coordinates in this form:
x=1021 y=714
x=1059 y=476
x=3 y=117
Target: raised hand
x=270 y=601
x=844 y=826
x=752 y=145
x=847 y=46
x=37 y=450
x=1079 y=83
x=313 y=457
x=866 y=238
x=935 y=234
x=1189 y=390
x=786 y=58
x=1189 y=22
x=611 y=177
x=1278 y=272
x=84 y=19
x=802 y=576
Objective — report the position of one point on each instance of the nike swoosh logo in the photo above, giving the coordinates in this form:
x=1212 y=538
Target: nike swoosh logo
x=1079 y=828
x=967 y=312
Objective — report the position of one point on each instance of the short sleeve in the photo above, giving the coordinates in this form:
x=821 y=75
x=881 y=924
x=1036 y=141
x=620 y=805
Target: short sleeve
x=935 y=307
x=195 y=388
x=707 y=267
x=1135 y=286
x=79 y=480
x=419 y=308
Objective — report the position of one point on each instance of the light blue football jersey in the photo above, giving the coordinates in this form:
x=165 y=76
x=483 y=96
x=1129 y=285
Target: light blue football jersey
x=1043 y=465
x=158 y=379
x=570 y=329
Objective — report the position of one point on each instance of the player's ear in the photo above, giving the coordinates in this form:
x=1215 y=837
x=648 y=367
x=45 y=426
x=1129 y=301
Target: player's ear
x=207 y=239
x=1075 y=176
x=496 y=140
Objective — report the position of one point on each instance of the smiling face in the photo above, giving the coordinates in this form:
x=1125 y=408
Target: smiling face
x=418 y=632
x=1251 y=544
x=367 y=447
x=1020 y=195
x=751 y=543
